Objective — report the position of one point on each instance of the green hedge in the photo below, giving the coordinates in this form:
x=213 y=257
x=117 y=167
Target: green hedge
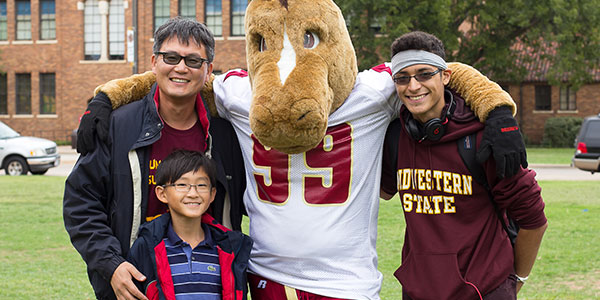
x=561 y=131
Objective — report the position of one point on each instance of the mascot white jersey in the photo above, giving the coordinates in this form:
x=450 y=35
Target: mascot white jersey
x=313 y=215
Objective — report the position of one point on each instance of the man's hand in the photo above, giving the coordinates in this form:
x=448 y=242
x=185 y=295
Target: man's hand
x=94 y=122
x=501 y=136
x=122 y=284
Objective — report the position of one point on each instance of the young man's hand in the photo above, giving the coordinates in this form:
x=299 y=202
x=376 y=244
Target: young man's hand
x=122 y=283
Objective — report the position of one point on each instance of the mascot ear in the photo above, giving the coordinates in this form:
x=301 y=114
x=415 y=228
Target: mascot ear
x=126 y=90
x=480 y=93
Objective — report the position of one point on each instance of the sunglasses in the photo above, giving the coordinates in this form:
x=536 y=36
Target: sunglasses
x=192 y=61
x=421 y=77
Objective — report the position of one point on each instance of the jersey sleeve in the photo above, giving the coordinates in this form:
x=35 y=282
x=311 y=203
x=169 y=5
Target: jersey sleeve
x=379 y=79
x=232 y=90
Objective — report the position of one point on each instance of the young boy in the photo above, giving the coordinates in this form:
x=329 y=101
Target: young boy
x=185 y=253
x=455 y=246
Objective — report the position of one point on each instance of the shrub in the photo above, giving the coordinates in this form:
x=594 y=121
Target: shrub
x=561 y=131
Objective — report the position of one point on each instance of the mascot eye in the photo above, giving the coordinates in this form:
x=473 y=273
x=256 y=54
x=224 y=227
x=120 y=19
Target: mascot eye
x=262 y=44
x=311 y=40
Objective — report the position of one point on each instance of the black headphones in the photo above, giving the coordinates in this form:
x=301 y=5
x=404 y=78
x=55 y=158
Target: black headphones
x=433 y=129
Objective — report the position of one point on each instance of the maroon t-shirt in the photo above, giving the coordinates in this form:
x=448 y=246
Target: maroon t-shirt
x=171 y=139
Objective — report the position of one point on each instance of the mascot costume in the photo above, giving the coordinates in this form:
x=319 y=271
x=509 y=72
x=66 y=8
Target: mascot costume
x=311 y=129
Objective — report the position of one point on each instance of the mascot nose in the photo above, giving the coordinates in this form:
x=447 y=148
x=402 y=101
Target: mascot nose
x=306 y=113
x=303 y=114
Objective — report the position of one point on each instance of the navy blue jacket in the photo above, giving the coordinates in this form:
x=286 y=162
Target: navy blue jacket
x=106 y=194
x=148 y=254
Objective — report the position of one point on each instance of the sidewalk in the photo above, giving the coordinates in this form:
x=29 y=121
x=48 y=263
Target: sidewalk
x=69 y=156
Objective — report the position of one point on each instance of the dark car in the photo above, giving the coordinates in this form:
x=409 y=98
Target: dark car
x=587 y=154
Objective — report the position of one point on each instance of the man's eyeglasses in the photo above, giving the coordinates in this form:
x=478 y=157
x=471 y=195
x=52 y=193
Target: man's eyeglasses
x=421 y=77
x=192 y=61
x=186 y=187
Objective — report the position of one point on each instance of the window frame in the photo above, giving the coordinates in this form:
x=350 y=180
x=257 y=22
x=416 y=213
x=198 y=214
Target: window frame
x=216 y=20
x=3 y=20
x=47 y=21
x=92 y=30
x=235 y=15
x=116 y=30
x=187 y=6
x=3 y=94
x=48 y=88
x=543 y=97
x=163 y=18
x=23 y=26
x=26 y=108
x=567 y=100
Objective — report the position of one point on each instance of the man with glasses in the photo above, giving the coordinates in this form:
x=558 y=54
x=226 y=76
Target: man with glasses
x=111 y=191
x=455 y=240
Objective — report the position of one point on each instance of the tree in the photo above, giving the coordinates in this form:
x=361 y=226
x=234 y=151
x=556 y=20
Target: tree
x=500 y=38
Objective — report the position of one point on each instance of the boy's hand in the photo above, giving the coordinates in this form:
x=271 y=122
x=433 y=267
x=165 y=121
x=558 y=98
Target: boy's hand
x=122 y=284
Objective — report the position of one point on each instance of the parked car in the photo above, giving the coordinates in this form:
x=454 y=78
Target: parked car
x=22 y=154
x=587 y=143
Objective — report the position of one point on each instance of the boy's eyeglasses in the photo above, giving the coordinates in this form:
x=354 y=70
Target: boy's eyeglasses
x=185 y=187
x=192 y=61
x=421 y=77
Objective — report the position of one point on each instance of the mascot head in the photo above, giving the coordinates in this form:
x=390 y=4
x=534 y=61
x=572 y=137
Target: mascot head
x=302 y=67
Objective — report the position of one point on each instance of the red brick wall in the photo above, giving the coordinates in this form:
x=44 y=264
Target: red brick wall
x=532 y=121
x=76 y=78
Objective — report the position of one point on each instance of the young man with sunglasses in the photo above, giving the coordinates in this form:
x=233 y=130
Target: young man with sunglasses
x=455 y=245
x=111 y=191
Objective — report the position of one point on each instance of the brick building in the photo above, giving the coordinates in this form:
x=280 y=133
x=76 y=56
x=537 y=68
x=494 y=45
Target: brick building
x=537 y=100
x=54 y=53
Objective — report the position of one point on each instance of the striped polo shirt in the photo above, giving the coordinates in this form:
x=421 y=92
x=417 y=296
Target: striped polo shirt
x=196 y=272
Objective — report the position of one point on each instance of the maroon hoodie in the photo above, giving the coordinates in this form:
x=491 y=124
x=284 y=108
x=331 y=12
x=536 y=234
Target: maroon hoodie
x=454 y=245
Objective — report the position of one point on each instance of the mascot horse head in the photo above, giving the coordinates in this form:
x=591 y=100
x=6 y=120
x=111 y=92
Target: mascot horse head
x=302 y=67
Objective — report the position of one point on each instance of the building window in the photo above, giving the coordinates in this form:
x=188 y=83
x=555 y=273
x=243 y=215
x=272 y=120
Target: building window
x=23 y=94
x=47 y=93
x=187 y=9
x=214 y=17
x=3 y=21
x=23 y=9
x=161 y=12
x=92 y=30
x=3 y=94
x=568 y=99
x=238 y=10
x=116 y=30
x=543 y=97
x=47 y=20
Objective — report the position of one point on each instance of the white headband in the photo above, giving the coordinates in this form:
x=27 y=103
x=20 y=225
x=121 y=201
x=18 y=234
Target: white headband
x=408 y=58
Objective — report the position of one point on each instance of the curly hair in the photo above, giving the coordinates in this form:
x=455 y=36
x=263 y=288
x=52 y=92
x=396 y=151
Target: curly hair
x=419 y=40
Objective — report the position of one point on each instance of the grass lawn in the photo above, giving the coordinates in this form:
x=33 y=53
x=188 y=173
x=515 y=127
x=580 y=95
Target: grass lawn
x=550 y=155
x=38 y=261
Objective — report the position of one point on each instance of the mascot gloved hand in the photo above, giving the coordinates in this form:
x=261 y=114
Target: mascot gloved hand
x=311 y=129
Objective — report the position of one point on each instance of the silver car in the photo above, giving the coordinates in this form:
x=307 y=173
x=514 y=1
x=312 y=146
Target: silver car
x=22 y=154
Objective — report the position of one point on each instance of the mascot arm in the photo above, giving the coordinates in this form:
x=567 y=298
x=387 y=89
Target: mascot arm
x=118 y=92
x=125 y=90
x=501 y=136
x=480 y=93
